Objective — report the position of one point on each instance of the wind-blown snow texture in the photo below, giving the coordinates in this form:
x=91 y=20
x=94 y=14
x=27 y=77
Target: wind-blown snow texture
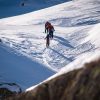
x=74 y=24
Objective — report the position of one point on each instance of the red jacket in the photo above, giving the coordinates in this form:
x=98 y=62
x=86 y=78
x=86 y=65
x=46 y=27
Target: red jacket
x=50 y=28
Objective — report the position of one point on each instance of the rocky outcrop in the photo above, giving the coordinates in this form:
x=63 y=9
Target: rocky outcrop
x=5 y=93
x=8 y=90
x=81 y=84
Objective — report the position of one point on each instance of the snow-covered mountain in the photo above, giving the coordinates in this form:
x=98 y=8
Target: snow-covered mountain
x=5 y=3
x=76 y=36
x=16 y=7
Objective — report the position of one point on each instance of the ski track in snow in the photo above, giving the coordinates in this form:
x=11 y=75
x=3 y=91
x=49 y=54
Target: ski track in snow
x=64 y=48
x=65 y=51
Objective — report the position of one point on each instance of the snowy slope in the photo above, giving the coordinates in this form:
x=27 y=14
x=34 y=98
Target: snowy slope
x=72 y=13
x=20 y=70
x=25 y=33
x=74 y=23
x=14 y=7
x=8 y=3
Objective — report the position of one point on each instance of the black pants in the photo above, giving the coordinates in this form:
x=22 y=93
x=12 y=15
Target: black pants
x=51 y=34
x=47 y=41
x=46 y=30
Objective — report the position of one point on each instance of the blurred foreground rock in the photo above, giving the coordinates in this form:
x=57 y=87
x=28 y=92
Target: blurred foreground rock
x=81 y=84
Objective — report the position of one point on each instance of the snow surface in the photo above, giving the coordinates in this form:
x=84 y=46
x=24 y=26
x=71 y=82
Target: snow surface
x=14 y=7
x=21 y=70
x=76 y=38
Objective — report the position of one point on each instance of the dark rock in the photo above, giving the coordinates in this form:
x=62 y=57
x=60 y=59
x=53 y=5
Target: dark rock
x=81 y=84
x=4 y=93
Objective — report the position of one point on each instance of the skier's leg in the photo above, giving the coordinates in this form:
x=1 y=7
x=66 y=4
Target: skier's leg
x=52 y=34
x=48 y=41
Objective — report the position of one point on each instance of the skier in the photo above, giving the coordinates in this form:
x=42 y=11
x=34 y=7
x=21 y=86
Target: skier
x=51 y=31
x=46 y=26
x=47 y=40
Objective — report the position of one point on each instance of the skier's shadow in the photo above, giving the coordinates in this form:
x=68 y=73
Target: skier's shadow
x=63 y=41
